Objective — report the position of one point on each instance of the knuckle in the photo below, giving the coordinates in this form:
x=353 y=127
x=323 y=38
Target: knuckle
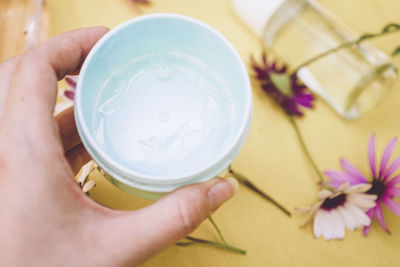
x=189 y=216
x=32 y=55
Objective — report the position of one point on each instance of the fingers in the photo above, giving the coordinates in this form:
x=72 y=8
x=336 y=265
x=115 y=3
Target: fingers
x=75 y=152
x=77 y=157
x=7 y=69
x=66 y=52
x=34 y=84
x=67 y=127
x=171 y=218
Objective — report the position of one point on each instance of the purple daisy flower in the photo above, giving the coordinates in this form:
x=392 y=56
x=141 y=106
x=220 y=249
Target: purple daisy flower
x=383 y=181
x=285 y=89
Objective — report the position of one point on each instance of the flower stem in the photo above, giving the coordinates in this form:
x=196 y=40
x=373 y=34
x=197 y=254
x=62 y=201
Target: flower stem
x=246 y=182
x=217 y=229
x=308 y=155
x=388 y=29
x=193 y=240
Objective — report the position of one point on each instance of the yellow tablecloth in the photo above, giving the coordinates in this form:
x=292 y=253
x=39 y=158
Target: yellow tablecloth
x=271 y=155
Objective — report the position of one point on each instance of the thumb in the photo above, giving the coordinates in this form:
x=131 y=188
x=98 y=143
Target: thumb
x=144 y=233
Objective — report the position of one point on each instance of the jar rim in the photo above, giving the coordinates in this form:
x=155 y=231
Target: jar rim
x=126 y=175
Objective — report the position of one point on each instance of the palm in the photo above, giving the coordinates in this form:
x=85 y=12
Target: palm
x=46 y=219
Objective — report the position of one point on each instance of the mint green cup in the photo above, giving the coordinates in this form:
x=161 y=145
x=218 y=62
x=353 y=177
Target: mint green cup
x=162 y=101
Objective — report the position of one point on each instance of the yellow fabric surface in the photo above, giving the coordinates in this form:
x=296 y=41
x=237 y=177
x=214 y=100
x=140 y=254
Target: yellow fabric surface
x=271 y=156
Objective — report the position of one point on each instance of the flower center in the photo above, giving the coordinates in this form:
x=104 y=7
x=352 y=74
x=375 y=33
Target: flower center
x=281 y=82
x=378 y=188
x=333 y=203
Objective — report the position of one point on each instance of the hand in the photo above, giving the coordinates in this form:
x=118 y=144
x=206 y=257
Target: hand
x=45 y=219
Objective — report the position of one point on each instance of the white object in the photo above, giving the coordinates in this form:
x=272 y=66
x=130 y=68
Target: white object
x=156 y=117
x=256 y=13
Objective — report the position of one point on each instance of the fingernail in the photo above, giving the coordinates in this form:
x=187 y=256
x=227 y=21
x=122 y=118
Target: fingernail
x=221 y=192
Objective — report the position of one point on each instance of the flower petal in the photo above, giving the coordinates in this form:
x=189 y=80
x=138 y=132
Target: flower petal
x=327 y=226
x=71 y=81
x=319 y=221
x=380 y=218
x=392 y=205
x=69 y=94
x=352 y=171
x=371 y=154
x=337 y=225
x=369 y=213
x=392 y=192
x=359 y=216
x=324 y=194
x=335 y=183
x=283 y=69
x=365 y=203
x=309 y=210
x=85 y=171
x=393 y=182
x=386 y=156
x=358 y=188
x=366 y=230
x=343 y=187
x=338 y=178
x=392 y=168
x=348 y=218
x=304 y=100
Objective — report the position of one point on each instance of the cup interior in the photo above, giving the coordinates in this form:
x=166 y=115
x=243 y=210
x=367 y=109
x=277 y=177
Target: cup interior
x=162 y=98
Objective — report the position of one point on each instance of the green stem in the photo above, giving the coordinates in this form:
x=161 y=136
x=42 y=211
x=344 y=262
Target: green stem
x=217 y=229
x=308 y=155
x=246 y=182
x=193 y=240
x=391 y=28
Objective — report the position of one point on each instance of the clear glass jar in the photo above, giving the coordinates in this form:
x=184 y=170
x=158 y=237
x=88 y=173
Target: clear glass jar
x=352 y=80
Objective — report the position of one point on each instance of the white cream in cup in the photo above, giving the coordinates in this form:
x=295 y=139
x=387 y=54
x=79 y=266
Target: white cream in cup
x=162 y=101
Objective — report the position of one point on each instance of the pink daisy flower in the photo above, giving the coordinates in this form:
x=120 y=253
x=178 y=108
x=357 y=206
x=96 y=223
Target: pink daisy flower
x=383 y=182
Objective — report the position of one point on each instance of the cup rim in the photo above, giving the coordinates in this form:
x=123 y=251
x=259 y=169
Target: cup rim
x=103 y=159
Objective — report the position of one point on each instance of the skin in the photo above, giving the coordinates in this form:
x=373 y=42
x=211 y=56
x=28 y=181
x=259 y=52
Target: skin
x=45 y=219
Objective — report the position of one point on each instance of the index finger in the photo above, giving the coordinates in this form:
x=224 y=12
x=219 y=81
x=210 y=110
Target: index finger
x=34 y=85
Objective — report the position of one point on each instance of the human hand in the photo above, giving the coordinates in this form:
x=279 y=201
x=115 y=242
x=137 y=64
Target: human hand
x=45 y=219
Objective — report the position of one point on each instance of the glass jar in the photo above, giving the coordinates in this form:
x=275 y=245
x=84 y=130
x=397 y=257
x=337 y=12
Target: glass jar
x=351 y=80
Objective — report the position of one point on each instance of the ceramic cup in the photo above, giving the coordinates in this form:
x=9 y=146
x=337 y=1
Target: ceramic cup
x=162 y=101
